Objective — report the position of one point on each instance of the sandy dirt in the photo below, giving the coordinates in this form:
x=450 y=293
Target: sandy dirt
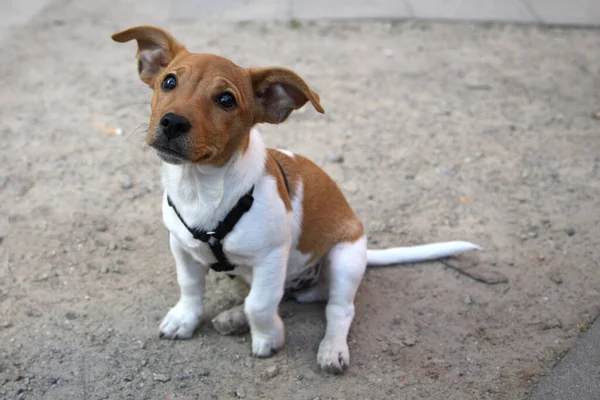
x=483 y=133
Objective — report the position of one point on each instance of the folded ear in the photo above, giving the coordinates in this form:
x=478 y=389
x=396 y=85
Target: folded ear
x=278 y=92
x=156 y=49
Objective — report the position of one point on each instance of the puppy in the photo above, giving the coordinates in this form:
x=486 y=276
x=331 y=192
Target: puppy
x=269 y=216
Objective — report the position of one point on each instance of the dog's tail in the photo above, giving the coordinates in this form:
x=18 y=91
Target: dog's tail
x=425 y=252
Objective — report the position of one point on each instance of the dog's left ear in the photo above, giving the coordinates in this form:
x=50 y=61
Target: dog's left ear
x=156 y=49
x=278 y=92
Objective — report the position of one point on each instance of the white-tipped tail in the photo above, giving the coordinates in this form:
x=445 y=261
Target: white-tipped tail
x=425 y=252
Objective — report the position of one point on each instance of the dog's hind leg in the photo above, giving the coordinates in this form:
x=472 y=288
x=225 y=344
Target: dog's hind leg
x=347 y=263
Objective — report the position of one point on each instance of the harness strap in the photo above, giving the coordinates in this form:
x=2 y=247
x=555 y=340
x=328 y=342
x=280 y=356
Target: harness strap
x=285 y=180
x=214 y=239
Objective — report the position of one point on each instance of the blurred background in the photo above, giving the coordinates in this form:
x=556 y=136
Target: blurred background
x=445 y=119
x=561 y=12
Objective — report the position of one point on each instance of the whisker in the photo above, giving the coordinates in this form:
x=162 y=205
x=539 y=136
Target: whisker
x=142 y=125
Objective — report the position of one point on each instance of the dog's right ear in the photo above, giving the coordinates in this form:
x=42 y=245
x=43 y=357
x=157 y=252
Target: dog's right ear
x=156 y=49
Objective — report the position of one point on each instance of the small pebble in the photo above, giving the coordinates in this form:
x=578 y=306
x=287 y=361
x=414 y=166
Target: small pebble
x=101 y=226
x=240 y=393
x=467 y=299
x=596 y=115
x=336 y=158
x=272 y=372
x=555 y=277
x=144 y=362
x=161 y=378
x=409 y=341
x=127 y=185
x=53 y=381
x=547 y=223
x=570 y=231
x=394 y=349
x=70 y=315
x=33 y=313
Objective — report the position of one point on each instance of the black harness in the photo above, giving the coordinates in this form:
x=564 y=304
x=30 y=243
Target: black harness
x=214 y=238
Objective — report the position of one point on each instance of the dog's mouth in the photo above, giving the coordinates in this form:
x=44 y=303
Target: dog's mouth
x=169 y=155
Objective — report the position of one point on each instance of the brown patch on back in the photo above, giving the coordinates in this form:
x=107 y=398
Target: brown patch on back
x=327 y=218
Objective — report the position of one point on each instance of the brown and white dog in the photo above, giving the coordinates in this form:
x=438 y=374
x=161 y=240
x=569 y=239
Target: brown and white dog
x=299 y=237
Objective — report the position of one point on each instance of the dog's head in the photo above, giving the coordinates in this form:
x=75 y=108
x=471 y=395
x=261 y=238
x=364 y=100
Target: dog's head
x=204 y=105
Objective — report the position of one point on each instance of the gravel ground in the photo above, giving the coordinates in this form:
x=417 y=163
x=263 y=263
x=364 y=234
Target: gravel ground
x=434 y=132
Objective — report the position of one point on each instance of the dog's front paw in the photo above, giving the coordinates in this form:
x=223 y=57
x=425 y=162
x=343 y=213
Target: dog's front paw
x=180 y=322
x=333 y=355
x=264 y=345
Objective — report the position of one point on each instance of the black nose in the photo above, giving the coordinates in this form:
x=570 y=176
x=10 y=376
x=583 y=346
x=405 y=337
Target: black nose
x=174 y=125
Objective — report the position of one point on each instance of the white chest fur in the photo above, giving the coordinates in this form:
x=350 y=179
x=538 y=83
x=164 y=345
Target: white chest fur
x=204 y=195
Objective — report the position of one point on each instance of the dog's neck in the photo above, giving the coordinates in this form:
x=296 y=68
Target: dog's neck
x=204 y=194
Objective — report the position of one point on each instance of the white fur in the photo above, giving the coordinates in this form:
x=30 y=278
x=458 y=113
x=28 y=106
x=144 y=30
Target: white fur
x=347 y=264
x=286 y=152
x=425 y=252
x=263 y=246
x=259 y=244
x=182 y=320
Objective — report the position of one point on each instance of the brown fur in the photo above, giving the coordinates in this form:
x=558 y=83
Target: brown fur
x=327 y=218
x=216 y=133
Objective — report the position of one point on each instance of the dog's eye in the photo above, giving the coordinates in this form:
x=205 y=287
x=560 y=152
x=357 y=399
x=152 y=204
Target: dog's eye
x=169 y=82
x=226 y=100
